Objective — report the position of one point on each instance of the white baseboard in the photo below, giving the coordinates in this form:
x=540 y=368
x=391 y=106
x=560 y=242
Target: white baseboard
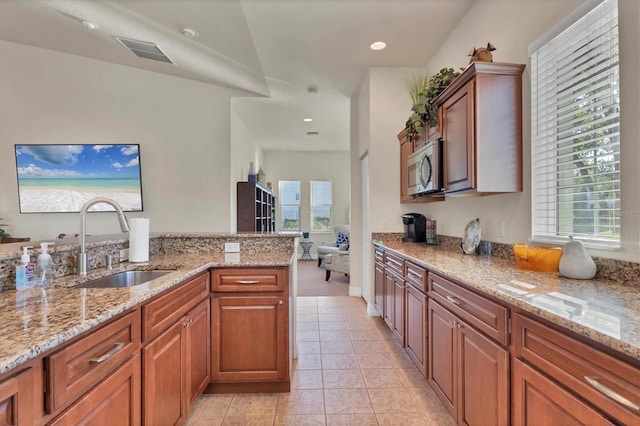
x=372 y=311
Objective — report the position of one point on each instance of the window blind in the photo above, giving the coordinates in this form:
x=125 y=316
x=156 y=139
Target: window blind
x=575 y=143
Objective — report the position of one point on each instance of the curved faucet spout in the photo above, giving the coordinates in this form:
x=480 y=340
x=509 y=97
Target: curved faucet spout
x=83 y=259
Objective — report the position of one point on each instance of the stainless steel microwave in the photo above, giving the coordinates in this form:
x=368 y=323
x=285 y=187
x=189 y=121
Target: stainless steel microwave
x=425 y=169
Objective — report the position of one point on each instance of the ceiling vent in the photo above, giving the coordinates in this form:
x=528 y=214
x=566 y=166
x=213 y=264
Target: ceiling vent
x=144 y=49
x=313 y=133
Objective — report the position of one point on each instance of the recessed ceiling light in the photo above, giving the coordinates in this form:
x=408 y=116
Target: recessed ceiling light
x=307 y=120
x=90 y=25
x=378 y=45
x=188 y=32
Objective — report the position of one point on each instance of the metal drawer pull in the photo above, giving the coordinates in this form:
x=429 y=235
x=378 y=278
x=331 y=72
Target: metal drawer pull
x=116 y=348
x=455 y=300
x=594 y=381
x=248 y=282
x=280 y=302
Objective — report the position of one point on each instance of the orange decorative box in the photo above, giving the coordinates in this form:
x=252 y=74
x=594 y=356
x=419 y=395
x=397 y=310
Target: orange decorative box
x=535 y=258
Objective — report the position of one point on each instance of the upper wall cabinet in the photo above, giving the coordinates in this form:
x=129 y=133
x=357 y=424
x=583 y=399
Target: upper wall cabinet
x=480 y=119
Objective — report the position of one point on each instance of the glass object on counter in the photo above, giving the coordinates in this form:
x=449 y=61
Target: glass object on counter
x=431 y=237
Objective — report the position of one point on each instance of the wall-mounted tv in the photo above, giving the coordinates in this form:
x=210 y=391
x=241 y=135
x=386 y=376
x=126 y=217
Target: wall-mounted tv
x=61 y=178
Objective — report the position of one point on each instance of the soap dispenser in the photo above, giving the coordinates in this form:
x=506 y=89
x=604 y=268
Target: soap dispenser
x=44 y=270
x=25 y=271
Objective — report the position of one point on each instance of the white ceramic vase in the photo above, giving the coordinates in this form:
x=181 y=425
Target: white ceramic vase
x=576 y=262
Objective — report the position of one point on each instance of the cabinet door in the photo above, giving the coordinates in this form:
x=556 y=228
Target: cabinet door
x=398 y=309
x=389 y=290
x=163 y=387
x=249 y=338
x=537 y=401
x=114 y=401
x=379 y=287
x=16 y=399
x=416 y=327
x=459 y=144
x=198 y=347
x=406 y=149
x=442 y=355
x=483 y=370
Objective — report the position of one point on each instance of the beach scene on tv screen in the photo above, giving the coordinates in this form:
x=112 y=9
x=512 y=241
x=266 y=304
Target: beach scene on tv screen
x=61 y=178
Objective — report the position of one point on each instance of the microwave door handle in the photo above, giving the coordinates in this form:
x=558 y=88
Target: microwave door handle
x=420 y=175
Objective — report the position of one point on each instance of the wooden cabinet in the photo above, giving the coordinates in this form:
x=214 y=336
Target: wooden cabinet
x=416 y=327
x=250 y=330
x=539 y=401
x=176 y=355
x=480 y=119
x=378 y=279
x=394 y=295
x=256 y=206
x=114 y=401
x=468 y=370
x=594 y=377
x=17 y=398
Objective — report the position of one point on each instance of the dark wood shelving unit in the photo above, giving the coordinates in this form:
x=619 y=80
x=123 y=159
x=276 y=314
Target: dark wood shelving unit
x=256 y=208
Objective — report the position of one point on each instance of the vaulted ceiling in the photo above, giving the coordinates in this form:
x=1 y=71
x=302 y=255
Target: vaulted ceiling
x=272 y=50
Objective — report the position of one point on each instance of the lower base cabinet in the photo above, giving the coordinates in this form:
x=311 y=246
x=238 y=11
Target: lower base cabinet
x=539 y=401
x=114 y=401
x=17 y=399
x=176 y=368
x=416 y=327
x=468 y=371
x=248 y=336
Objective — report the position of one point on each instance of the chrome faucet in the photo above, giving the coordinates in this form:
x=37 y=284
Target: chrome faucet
x=82 y=261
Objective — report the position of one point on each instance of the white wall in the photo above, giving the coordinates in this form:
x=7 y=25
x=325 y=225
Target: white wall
x=182 y=127
x=306 y=166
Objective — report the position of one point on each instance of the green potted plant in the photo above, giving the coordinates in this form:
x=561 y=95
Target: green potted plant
x=3 y=233
x=423 y=91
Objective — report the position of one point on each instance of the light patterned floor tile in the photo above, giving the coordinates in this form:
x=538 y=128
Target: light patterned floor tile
x=370 y=347
x=352 y=420
x=308 y=336
x=308 y=326
x=331 y=317
x=334 y=335
x=383 y=378
x=376 y=361
x=304 y=401
x=306 y=379
x=405 y=419
x=342 y=379
x=347 y=401
x=394 y=400
x=300 y=420
x=339 y=361
x=248 y=420
x=337 y=347
x=253 y=404
x=308 y=348
x=365 y=335
x=309 y=362
x=332 y=325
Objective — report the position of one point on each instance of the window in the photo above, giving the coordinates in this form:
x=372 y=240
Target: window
x=575 y=125
x=289 y=205
x=321 y=206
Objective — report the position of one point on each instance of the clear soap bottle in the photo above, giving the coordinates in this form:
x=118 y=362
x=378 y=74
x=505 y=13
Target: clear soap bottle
x=24 y=271
x=44 y=270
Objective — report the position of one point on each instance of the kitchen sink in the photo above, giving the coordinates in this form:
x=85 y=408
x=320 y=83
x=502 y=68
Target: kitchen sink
x=124 y=279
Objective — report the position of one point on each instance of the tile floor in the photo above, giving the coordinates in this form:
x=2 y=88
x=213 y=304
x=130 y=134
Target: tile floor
x=350 y=371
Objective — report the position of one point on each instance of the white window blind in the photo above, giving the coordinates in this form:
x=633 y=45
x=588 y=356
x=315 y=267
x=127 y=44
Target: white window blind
x=575 y=108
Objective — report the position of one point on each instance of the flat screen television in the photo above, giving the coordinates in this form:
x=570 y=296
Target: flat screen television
x=61 y=178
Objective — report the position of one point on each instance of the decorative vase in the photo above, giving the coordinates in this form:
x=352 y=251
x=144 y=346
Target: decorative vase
x=576 y=262
x=252 y=173
x=305 y=235
x=261 y=176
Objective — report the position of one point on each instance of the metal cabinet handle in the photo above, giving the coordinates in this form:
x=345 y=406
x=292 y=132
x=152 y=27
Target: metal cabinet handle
x=280 y=302
x=116 y=348
x=248 y=281
x=455 y=300
x=594 y=382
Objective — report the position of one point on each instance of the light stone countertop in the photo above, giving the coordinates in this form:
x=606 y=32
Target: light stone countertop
x=37 y=320
x=603 y=311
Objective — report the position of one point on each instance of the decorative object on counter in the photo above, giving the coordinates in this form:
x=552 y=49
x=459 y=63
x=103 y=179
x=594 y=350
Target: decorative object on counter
x=576 y=262
x=139 y=240
x=533 y=258
x=44 y=268
x=414 y=228
x=425 y=112
x=481 y=54
x=431 y=235
x=252 y=177
x=25 y=271
x=471 y=237
x=3 y=233
x=305 y=235
x=261 y=176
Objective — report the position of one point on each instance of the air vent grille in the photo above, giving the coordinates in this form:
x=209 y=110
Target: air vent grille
x=313 y=133
x=144 y=49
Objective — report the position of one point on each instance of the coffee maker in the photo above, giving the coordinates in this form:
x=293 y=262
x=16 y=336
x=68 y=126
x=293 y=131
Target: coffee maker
x=415 y=228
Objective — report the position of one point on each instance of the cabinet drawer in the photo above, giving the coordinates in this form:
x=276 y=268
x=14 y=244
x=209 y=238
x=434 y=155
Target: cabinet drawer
x=394 y=263
x=480 y=312
x=378 y=254
x=249 y=280
x=161 y=313
x=590 y=373
x=416 y=276
x=74 y=369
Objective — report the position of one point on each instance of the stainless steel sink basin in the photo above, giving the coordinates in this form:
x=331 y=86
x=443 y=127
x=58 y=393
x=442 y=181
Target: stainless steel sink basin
x=124 y=279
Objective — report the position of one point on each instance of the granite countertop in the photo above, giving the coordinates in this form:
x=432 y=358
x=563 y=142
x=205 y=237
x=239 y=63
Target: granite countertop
x=37 y=320
x=603 y=311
